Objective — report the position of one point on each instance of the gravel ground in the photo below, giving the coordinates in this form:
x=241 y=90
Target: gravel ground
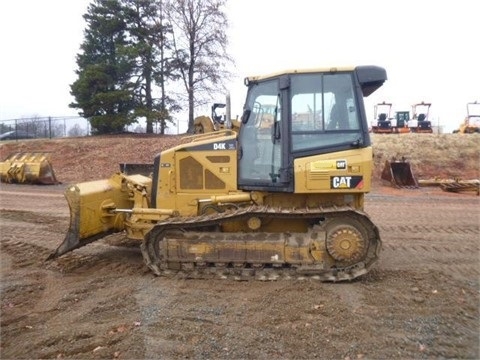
x=420 y=301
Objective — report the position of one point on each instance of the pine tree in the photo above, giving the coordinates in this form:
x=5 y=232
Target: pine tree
x=103 y=91
x=135 y=51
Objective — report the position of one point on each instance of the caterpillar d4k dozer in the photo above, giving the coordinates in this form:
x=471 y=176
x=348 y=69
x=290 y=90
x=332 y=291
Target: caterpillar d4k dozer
x=399 y=174
x=263 y=203
x=28 y=168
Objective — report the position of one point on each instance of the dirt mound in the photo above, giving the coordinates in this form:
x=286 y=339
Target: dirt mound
x=97 y=157
x=94 y=157
x=444 y=156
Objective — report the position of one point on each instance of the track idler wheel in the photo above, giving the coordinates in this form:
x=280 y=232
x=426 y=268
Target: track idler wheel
x=347 y=241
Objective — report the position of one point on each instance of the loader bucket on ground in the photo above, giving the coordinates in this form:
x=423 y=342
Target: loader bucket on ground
x=28 y=168
x=91 y=212
x=399 y=174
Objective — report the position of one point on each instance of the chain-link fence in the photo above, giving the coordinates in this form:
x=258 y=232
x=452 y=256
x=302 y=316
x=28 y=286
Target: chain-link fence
x=44 y=127
x=67 y=126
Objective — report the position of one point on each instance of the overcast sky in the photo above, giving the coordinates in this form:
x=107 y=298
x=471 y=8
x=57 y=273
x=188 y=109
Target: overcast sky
x=429 y=49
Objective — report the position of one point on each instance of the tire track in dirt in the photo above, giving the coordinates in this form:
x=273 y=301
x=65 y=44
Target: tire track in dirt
x=451 y=249
x=105 y=259
x=429 y=229
x=58 y=294
x=47 y=200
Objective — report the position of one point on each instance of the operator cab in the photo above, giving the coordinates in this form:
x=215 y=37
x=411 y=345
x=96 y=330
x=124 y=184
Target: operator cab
x=301 y=113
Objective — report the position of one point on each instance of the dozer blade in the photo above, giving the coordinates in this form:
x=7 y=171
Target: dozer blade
x=92 y=214
x=399 y=174
x=28 y=168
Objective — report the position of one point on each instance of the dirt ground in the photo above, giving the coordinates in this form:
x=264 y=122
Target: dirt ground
x=421 y=300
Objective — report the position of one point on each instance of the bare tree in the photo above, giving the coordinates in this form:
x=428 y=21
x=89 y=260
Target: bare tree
x=76 y=131
x=200 y=45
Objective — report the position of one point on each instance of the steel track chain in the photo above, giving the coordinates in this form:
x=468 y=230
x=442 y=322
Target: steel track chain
x=156 y=263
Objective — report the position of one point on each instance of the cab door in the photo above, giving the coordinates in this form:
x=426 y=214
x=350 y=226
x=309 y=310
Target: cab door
x=263 y=148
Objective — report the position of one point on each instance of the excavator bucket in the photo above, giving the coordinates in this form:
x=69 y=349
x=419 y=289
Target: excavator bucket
x=28 y=168
x=399 y=174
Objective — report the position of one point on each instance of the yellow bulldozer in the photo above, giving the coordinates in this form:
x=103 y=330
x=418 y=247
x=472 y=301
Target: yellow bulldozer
x=204 y=124
x=269 y=201
x=471 y=123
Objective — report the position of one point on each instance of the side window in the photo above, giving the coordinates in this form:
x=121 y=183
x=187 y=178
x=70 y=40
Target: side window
x=323 y=111
x=343 y=113
x=307 y=113
x=307 y=103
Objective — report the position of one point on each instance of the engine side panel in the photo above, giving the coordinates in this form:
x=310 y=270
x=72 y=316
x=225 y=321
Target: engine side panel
x=338 y=172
